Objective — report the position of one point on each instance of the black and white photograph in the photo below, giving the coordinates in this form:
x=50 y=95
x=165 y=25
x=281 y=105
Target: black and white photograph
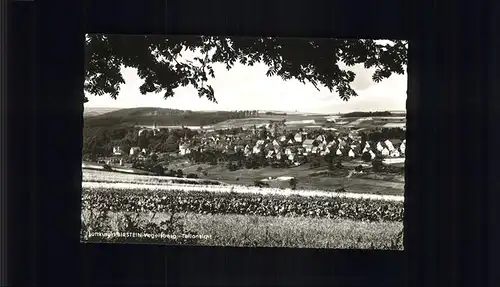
x=244 y=142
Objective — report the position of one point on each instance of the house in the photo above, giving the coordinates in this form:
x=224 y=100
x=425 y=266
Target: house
x=256 y=149
x=367 y=145
x=385 y=152
x=117 y=150
x=278 y=155
x=259 y=143
x=144 y=151
x=135 y=150
x=270 y=154
x=366 y=149
x=395 y=153
x=308 y=144
x=380 y=147
x=314 y=150
x=290 y=142
x=389 y=145
x=402 y=147
x=351 y=153
x=184 y=149
x=372 y=154
x=288 y=151
x=276 y=143
x=298 y=137
x=320 y=138
x=282 y=138
x=291 y=157
x=339 y=152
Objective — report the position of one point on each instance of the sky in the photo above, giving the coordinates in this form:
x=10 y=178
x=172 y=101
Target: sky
x=248 y=88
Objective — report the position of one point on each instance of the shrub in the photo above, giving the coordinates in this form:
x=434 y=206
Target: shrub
x=192 y=175
x=338 y=164
x=179 y=173
x=293 y=183
x=366 y=157
x=377 y=164
x=359 y=168
x=107 y=167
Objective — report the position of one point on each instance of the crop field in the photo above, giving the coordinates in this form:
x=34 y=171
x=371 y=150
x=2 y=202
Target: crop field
x=231 y=215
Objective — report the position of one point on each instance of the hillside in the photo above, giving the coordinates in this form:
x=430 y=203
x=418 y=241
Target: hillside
x=162 y=117
x=92 y=112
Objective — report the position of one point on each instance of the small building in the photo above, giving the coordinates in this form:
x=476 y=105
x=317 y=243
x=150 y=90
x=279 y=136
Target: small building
x=402 y=147
x=380 y=147
x=135 y=150
x=351 y=153
x=389 y=145
x=117 y=150
x=308 y=144
x=339 y=152
x=298 y=137
x=385 y=152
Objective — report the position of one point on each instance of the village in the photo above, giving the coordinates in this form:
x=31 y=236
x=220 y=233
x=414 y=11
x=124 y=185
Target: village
x=277 y=144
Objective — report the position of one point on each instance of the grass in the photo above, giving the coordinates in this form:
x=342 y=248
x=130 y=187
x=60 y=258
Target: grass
x=293 y=232
x=386 y=185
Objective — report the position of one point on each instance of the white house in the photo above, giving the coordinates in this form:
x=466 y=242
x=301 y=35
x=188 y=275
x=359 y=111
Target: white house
x=290 y=141
x=283 y=138
x=298 y=137
x=276 y=143
x=366 y=149
x=402 y=147
x=367 y=145
x=372 y=154
x=351 y=153
x=380 y=147
x=117 y=150
x=385 y=152
x=339 y=152
x=135 y=150
x=256 y=149
x=288 y=151
x=395 y=153
x=184 y=149
x=291 y=157
x=270 y=154
x=278 y=155
x=389 y=145
x=314 y=150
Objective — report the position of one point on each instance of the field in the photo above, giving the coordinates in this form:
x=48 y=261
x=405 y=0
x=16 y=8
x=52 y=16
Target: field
x=231 y=215
x=307 y=178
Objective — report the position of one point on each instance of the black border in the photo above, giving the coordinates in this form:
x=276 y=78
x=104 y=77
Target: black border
x=448 y=42
x=234 y=266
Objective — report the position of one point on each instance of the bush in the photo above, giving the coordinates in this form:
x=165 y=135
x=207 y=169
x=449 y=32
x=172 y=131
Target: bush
x=338 y=164
x=201 y=202
x=359 y=168
x=179 y=173
x=107 y=167
x=192 y=175
x=259 y=183
x=293 y=183
x=377 y=164
x=366 y=157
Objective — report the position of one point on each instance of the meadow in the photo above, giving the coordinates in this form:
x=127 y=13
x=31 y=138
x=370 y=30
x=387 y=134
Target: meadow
x=230 y=215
